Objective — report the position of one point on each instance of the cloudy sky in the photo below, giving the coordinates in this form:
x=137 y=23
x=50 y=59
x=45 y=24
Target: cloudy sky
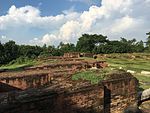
x=52 y=21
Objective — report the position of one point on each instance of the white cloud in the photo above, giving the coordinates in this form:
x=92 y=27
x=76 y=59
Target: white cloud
x=89 y=2
x=4 y=39
x=46 y=39
x=29 y=16
x=123 y=24
x=117 y=18
x=69 y=29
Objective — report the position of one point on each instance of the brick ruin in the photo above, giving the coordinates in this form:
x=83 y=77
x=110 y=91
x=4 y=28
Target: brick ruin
x=50 y=89
x=77 y=55
x=109 y=96
x=72 y=55
x=35 y=77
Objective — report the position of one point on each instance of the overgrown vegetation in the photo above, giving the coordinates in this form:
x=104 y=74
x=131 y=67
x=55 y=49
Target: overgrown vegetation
x=94 y=76
x=97 y=44
x=134 y=62
x=127 y=54
x=129 y=64
x=19 y=63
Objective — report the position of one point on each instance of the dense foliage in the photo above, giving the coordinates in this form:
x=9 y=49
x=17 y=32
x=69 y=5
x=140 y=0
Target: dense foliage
x=148 y=42
x=86 y=43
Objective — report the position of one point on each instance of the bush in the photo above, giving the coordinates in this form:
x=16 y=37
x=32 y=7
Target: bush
x=20 y=60
x=95 y=76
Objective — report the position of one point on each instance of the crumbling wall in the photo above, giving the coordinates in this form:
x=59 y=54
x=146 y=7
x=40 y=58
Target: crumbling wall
x=79 y=65
x=112 y=95
x=27 y=81
x=7 y=88
x=97 y=64
x=67 y=65
x=77 y=55
x=81 y=100
x=72 y=55
x=84 y=100
x=120 y=92
x=90 y=55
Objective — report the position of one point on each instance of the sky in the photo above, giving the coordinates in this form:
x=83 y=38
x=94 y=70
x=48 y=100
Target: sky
x=38 y=22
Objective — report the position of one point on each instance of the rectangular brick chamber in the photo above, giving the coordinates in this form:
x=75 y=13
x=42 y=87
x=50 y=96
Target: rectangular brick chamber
x=109 y=96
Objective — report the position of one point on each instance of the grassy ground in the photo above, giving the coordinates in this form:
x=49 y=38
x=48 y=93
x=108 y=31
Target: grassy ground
x=19 y=66
x=143 y=80
x=16 y=66
x=137 y=65
x=94 y=76
x=136 y=62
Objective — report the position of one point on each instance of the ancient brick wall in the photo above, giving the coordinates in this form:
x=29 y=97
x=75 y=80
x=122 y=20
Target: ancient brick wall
x=77 y=55
x=81 y=65
x=98 y=64
x=7 y=88
x=72 y=55
x=67 y=65
x=65 y=96
x=120 y=92
x=26 y=81
x=83 y=100
x=90 y=55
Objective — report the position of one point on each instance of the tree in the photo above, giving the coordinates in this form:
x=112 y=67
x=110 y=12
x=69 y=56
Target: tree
x=1 y=53
x=69 y=47
x=1 y=49
x=11 y=51
x=30 y=51
x=128 y=45
x=148 y=41
x=122 y=46
x=139 y=47
x=87 y=43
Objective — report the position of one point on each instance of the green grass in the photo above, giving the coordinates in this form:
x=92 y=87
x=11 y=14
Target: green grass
x=143 y=80
x=95 y=76
x=144 y=86
x=130 y=64
x=88 y=59
x=19 y=66
x=121 y=60
x=138 y=64
x=141 y=63
x=20 y=63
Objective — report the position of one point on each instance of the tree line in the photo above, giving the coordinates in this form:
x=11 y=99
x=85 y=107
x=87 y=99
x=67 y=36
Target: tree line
x=94 y=43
